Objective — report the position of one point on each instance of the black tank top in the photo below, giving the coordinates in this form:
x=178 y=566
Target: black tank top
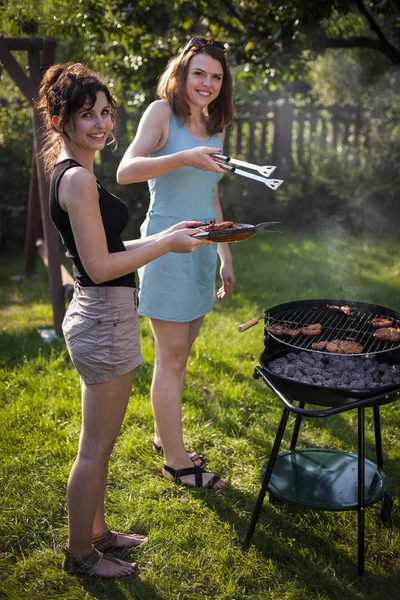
x=114 y=214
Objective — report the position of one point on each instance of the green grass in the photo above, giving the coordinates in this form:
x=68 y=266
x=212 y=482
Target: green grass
x=195 y=537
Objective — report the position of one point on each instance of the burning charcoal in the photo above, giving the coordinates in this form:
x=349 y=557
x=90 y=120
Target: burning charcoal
x=306 y=380
x=395 y=368
x=313 y=371
x=275 y=367
x=291 y=356
x=396 y=380
x=298 y=375
x=289 y=371
x=308 y=361
x=318 y=379
x=368 y=364
x=372 y=384
x=282 y=362
x=358 y=375
x=357 y=383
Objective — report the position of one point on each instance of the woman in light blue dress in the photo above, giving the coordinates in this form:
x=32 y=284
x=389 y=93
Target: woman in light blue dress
x=172 y=150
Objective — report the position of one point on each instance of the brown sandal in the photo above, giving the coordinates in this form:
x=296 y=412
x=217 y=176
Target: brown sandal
x=108 y=540
x=88 y=563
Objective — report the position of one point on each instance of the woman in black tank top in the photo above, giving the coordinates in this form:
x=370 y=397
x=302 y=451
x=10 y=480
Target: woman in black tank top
x=101 y=324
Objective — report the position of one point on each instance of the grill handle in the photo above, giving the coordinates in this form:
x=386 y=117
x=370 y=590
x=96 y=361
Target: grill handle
x=249 y=324
x=371 y=401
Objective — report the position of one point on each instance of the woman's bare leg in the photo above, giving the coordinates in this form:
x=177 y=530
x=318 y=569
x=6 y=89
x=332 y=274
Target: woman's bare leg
x=194 y=328
x=103 y=410
x=173 y=343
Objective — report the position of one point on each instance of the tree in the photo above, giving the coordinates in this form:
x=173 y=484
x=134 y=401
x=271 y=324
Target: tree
x=275 y=39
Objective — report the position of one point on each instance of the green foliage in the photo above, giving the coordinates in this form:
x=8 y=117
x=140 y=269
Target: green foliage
x=276 y=49
x=195 y=537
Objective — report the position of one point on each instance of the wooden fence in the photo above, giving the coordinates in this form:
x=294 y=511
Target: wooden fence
x=286 y=134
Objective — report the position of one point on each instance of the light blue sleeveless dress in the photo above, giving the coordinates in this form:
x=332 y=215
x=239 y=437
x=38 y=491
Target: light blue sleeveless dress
x=180 y=287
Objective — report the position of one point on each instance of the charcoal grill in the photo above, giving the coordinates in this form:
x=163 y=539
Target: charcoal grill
x=326 y=479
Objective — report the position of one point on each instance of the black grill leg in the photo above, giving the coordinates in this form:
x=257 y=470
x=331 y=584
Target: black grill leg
x=296 y=428
x=361 y=492
x=378 y=437
x=267 y=476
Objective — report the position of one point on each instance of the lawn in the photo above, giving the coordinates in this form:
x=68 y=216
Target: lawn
x=195 y=537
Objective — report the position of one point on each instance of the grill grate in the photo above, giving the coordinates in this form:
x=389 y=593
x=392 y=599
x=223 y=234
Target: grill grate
x=336 y=325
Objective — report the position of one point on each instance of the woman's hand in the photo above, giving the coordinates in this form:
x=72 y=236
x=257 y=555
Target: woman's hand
x=227 y=278
x=182 y=240
x=200 y=158
x=183 y=225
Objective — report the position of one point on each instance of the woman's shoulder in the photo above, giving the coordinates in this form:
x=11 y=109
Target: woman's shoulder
x=77 y=182
x=79 y=175
x=160 y=109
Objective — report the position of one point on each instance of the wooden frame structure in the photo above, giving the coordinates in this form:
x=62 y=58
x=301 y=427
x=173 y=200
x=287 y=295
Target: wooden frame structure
x=40 y=56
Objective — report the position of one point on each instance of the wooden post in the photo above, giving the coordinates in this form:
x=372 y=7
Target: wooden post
x=50 y=233
x=32 y=220
x=29 y=86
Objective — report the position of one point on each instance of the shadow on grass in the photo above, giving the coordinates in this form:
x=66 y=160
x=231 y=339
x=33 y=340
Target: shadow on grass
x=26 y=345
x=280 y=537
x=121 y=589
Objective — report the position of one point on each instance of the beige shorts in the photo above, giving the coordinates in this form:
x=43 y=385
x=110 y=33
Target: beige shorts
x=101 y=330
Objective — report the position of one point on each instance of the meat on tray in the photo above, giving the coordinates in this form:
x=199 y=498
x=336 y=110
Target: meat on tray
x=343 y=309
x=338 y=346
x=389 y=334
x=380 y=322
x=220 y=226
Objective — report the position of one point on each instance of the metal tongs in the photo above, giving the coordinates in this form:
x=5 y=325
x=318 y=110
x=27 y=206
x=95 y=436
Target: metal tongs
x=229 y=163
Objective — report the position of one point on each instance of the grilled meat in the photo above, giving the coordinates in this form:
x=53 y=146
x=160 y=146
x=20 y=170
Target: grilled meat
x=319 y=345
x=283 y=330
x=380 y=322
x=338 y=346
x=220 y=226
x=389 y=334
x=313 y=329
x=343 y=309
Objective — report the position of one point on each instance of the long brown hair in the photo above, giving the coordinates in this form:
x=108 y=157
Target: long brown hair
x=63 y=90
x=171 y=87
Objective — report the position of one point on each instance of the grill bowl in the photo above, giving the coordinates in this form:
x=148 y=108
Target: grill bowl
x=320 y=395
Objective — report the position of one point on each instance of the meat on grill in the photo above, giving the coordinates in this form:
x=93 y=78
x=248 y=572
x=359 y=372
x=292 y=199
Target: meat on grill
x=338 y=346
x=380 y=322
x=343 y=309
x=220 y=226
x=283 y=330
x=390 y=334
x=313 y=329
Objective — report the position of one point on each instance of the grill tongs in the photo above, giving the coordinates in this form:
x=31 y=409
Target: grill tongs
x=228 y=163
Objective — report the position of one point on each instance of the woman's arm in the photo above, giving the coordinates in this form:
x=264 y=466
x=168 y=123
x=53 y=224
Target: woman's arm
x=226 y=269
x=152 y=133
x=132 y=244
x=78 y=193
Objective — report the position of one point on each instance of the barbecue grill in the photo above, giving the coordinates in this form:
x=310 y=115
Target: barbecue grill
x=327 y=479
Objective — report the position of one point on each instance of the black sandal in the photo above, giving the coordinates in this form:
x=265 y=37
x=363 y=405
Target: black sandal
x=198 y=477
x=192 y=455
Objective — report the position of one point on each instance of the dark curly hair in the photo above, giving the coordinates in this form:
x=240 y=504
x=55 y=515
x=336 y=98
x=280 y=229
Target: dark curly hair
x=63 y=90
